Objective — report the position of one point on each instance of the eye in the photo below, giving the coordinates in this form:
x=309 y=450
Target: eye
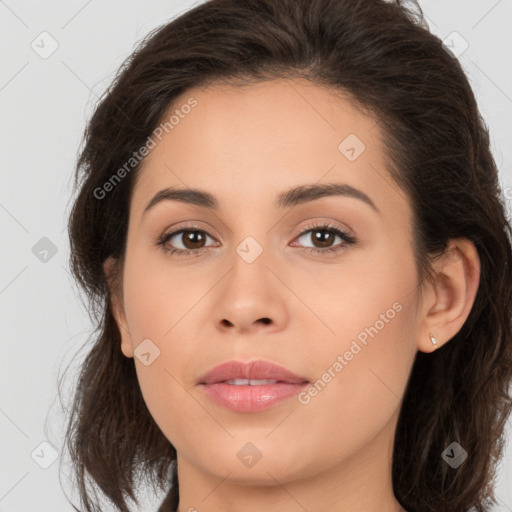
x=184 y=241
x=191 y=240
x=324 y=236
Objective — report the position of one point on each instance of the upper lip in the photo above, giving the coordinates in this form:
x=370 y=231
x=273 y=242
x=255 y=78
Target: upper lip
x=258 y=369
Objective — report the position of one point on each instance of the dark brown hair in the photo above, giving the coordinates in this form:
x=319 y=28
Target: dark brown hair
x=382 y=55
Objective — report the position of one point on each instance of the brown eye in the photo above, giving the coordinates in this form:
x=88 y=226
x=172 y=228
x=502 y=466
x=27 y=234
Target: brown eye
x=193 y=239
x=321 y=237
x=185 y=240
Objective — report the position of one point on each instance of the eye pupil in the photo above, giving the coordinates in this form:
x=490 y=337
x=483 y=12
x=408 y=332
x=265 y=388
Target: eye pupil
x=192 y=238
x=324 y=237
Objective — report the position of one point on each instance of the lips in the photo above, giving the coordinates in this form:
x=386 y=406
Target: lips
x=254 y=371
x=250 y=387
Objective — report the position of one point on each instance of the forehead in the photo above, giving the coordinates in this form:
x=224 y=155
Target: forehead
x=250 y=142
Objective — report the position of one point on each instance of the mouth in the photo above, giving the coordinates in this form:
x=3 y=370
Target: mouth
x=251 y=382
x=250 y=387
x=253 y=373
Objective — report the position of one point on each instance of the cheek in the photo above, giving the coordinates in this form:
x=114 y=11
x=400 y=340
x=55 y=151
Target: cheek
x=168 y=401
x=359 y=384
x=159 y=307
x=363 y=364
x=157 y=296
x=367 y=371
x=366 y=298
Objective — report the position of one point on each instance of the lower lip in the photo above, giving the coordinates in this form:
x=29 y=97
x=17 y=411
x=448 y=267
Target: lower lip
x=251 y=398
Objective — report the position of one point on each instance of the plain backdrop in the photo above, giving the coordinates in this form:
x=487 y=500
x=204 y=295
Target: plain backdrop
x=57 y=57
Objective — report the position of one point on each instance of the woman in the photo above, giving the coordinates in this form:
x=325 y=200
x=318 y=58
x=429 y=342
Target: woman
x=289 y=224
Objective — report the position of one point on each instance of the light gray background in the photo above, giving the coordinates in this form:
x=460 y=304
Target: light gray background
x=44 y=105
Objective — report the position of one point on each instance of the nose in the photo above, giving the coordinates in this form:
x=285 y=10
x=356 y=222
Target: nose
x=252 y=298
x=264 y=320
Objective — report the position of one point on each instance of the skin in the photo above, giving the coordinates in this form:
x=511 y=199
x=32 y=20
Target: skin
x=245 y=146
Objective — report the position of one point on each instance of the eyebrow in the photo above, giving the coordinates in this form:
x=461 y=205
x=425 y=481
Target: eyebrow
x=288 y=198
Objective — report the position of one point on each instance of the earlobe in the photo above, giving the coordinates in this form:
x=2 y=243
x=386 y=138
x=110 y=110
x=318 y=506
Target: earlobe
x=456 y=275
x=113 y=275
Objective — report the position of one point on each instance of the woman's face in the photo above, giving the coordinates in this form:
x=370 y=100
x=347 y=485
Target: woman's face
x=248 y=285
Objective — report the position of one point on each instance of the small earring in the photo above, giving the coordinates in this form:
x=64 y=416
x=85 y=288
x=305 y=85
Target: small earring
x=433 y=340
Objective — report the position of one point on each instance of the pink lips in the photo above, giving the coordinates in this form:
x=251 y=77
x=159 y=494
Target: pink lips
x=246 y=397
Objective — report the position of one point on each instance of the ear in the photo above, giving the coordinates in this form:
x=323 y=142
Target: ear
x=114 y=278
x=448 y=303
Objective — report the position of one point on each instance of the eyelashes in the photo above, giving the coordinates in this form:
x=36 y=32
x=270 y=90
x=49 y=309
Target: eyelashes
x=200 y=235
